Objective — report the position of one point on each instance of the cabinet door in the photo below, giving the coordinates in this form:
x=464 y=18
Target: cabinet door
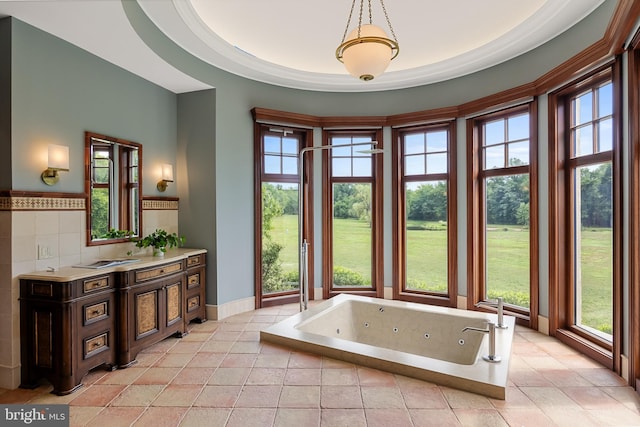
x=174 y=302
x=146 y=313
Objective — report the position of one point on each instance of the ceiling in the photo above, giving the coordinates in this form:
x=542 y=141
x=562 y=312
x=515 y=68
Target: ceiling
x=292 y=42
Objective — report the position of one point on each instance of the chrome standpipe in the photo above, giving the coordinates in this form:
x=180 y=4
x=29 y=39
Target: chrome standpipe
x=492 y=357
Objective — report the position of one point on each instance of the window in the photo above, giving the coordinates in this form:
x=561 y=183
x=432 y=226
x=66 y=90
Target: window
x=503 y=249
x=352 y=212
x=584 y=218
x=277 y=205
x=425 y=214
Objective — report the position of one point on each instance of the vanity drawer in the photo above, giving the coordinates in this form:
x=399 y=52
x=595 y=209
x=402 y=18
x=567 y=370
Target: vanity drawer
x=96 y=284
x=195 y=260
x=193 y=280
x=95 y=312
x=96 y=344
x=193 y=303
x=157 y=272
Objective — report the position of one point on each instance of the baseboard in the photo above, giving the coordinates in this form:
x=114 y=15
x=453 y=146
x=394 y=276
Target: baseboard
x=461 y=302
x=624 y=367
x=9 y=377
x=388 y=292
x=219 y=312
x=543 y=325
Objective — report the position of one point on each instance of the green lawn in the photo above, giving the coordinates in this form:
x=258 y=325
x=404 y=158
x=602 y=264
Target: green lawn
x=508 y=249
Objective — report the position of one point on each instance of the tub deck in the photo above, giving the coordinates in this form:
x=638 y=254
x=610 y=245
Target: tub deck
x=415 y=340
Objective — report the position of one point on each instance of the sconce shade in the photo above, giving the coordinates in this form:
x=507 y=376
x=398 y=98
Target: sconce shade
x=167 y=176
x=58 y=157
x=57 y=160
x=167 y=172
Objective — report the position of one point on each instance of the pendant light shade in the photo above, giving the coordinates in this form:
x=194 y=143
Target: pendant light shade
x=367 y=51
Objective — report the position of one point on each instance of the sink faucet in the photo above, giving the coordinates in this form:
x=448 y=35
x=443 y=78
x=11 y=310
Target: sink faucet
x=499 y=304
x=491 y=330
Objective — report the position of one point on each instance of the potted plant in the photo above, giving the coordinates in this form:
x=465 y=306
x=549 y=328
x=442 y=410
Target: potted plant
x=160 y=241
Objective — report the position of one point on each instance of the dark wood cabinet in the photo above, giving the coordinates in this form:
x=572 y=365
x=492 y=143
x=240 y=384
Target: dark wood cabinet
x=76 y=320
x=67 y=329
x=195 y=305
x=151 y=307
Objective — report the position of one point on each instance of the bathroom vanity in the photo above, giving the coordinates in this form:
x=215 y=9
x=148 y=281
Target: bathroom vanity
x=76 y=319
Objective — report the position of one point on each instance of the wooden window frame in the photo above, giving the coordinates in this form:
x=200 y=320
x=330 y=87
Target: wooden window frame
x=450 y=298
x=376 y=180
x=561 y=165
x=306 y=140
x=476 y=254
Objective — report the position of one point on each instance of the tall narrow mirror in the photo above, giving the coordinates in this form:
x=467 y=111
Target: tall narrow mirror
x=113 y=184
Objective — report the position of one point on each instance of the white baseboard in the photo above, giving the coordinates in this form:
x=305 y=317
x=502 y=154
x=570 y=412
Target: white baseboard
x=9 y=377
x=219 y=312
x=543 y=325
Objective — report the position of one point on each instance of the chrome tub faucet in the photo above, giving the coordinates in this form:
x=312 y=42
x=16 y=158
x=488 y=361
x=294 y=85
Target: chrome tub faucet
x=491 y=330
x=499 y=305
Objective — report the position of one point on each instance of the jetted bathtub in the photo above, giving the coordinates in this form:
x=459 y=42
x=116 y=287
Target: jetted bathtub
x=415 y=340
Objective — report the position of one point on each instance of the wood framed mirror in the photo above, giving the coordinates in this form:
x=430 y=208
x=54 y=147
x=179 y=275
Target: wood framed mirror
x=113 y=185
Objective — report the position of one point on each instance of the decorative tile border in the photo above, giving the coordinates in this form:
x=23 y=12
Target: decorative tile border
x=42 y=203
x=159 y=204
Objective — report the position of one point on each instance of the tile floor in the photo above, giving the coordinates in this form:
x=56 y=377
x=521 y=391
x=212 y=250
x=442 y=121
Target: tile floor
x=220 y=374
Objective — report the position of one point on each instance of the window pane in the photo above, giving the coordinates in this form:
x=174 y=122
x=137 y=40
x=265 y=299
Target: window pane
x=436 y=141
x=583 y=141
x=99 y=212
x=518 y=153
x=605 y=135
x=362 y=166
x=507 y=238
x=338 y=151
x=289 y=146
x=518 y=127
x=605 y=100
x=594 y=249
x=494 y=132
x=426 y=236
x=414 y=165
x=341 y=167
x=494 y=157
x=352 y=235
x=272 y=164
x=290 y=165
x=583 y=109
x=414 y=143
x=437 y=163
x=279 y=237
x=272 y=144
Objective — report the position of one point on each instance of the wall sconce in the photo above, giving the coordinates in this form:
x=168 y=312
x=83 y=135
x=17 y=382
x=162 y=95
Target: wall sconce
x=167 y=176
x=58 y=160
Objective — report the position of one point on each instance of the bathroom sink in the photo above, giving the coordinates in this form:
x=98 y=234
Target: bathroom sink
x=104 y=263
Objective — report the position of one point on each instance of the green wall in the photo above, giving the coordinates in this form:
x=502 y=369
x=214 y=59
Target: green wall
x=58 y=91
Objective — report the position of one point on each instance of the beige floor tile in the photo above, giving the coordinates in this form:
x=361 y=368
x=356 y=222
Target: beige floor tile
x=464 y=399
x=427 y=397
x=178 y=395
x=206 y=417
x=305 y=360
x=387 y=417
x=118 y=416
x=244 y=417
x=81 y=415
x=259 y=396
x=271 y=361
x=343 y=417
x=193 y=376
x=480 y=417
x=138 y=395
x=433 y=418
x=382 y=397
x=155 y=375
x=305 y=417
x=334 y=397
x=229 y=376
x=174 y=360
x=98 y=395
x=206 y=360
x=161 y=417
x=533 y=417
x=189 y=347
x=571 y=417
x=122 y=376
x=368 y=376
x=238 y=361
x=300 y=396
x=545 y=397
x=309 y=376
x=339 y=376
x=218 y=396
x=266 y=376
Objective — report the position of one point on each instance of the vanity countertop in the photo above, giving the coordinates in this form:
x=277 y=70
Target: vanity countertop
x=70 y=273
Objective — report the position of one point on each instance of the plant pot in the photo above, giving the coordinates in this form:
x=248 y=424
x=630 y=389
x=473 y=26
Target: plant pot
x=158 y=252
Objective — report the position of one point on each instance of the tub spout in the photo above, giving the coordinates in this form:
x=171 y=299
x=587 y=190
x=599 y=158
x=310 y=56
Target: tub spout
x=499 y=305
x=491 y=330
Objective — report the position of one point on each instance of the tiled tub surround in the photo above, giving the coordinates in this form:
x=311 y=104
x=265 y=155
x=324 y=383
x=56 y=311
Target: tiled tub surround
x=222 y=375
x=415 y=340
